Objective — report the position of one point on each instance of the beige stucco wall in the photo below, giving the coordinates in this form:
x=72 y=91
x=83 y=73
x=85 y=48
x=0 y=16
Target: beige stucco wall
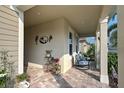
x=120 y=12
x=36 y=53
x=67 y=58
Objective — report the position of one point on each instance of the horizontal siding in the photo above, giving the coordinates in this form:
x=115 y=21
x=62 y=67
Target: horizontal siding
x=9 y=17
x=10 y=22
x=3 y=25
x=9 y=33
x=13 y=45
x=8 y=11
x=13 y=59
x=10 y=48
x=14 y=53
x=9 y=40
x=7 y=29
x=8 y=43
x=7 y=37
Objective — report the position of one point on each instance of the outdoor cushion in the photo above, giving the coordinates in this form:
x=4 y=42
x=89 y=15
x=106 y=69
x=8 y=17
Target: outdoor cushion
x=83 y=63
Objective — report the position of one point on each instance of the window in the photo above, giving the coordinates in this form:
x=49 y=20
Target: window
x=70 y=43
x=70 y=49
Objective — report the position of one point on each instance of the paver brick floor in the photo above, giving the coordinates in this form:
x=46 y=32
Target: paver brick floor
x=74 y=78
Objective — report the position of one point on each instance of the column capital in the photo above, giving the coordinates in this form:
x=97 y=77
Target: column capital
x=105 y=20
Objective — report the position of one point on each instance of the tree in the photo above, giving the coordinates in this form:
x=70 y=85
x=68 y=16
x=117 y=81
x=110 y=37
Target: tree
x=91 y=51
x=113 y=26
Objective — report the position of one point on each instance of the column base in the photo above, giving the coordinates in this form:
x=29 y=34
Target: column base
x=104 y=79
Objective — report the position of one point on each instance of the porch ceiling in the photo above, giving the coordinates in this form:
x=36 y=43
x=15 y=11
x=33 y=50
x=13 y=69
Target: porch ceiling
x=24 y=7
x=83 y=18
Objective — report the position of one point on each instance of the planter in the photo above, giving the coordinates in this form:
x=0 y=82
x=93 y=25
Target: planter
x=23 y=84
x=21 y=81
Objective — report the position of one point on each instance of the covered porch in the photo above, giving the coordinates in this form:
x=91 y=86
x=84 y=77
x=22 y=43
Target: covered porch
x=58 y=21
x=73 y=78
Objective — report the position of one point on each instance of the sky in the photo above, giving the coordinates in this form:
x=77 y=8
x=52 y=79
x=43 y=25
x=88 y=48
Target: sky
x=112 y=21
x=92 y=40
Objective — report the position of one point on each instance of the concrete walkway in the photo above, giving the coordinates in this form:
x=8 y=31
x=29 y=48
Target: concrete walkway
x=74 y=78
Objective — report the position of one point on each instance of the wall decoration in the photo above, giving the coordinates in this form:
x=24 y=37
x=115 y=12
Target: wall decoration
x=36 y=40
x=50 y=38
x=43 y=39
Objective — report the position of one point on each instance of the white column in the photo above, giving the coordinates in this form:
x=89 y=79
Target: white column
x=104 y=51
x=20 y=39
x=98 y=50
x=21 y=43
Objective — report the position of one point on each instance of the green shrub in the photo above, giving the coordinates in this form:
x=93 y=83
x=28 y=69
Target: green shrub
x=3 y=82
x=91 y=51
x=3 y=79
x=112 y=61
x=22 y=77
x=2 y=71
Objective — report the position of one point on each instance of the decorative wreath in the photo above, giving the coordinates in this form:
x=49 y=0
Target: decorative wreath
x=43 y=40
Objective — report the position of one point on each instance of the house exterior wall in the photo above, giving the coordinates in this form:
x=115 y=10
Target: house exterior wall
x=9 y=31
x=120 y=13
x=36 y=53
x=67 y=58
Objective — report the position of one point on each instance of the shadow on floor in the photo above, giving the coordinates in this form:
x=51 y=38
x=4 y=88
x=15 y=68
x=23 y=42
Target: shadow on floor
x=61 y=81
x=81 y=67
x=88 y=73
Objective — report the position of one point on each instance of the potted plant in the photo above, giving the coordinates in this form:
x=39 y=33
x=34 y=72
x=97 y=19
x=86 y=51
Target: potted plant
x=21 y=81
x=56 y=66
